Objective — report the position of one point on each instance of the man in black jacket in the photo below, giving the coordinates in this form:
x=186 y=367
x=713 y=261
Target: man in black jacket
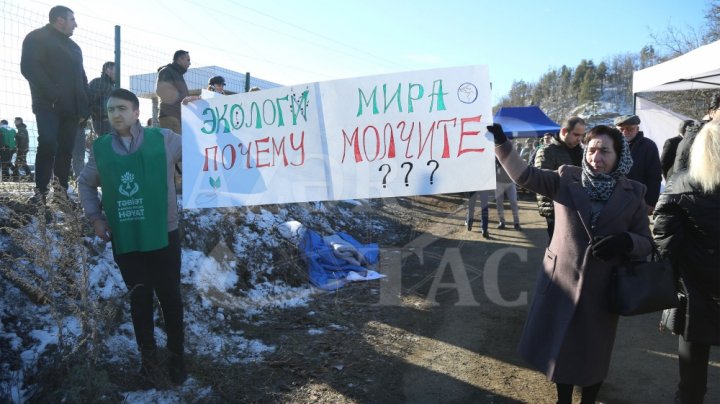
x=646 y=167
x=173 y=91
x=100 y=89
x=22 y=142
x=682 y=155
x=53 y=65
x=667 y=157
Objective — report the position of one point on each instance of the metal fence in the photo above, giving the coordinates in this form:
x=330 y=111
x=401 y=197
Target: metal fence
x=96 y=37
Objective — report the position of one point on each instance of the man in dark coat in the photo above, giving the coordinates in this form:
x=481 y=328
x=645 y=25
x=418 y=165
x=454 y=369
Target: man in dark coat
x=564 y=149
x=682 y=157
x=53 y=65
x=22 y=141
x=100 y=89
x=667 y=157
x=646 y=167
x=173 y=91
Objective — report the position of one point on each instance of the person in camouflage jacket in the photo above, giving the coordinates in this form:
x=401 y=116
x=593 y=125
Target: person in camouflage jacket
x=564 y=149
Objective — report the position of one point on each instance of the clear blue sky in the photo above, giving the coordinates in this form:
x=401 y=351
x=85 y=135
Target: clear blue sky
x=293 y=41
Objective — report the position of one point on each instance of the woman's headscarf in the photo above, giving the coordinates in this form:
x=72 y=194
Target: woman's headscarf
x=600 y=186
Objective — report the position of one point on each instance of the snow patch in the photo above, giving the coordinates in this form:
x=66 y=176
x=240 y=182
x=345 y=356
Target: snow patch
x=205 y=273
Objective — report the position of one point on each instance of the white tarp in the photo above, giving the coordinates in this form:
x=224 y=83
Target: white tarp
x=656 y=122
x=414 y=133
x=697 y=69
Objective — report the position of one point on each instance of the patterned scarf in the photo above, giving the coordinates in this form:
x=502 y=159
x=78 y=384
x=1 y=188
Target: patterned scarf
x=600 y=186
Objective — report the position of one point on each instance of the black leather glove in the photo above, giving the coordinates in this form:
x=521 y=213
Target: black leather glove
x=611 y=246
x=497 y=131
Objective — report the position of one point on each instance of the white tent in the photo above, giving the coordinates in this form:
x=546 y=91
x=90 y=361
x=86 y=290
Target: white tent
x=697 y=69
x=658 y=123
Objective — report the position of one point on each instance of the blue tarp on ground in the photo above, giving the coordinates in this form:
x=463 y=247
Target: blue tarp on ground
x=525 y=122
x=327 y=270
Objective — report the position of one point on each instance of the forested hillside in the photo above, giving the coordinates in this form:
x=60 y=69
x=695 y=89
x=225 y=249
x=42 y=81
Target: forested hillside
x=600 y=90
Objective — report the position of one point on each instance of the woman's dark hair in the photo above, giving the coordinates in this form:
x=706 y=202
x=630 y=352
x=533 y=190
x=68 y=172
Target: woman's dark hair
x=614 y=134
x=126 y=95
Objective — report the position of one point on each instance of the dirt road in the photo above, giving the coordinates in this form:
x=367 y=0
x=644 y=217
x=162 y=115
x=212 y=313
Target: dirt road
x=411 y=339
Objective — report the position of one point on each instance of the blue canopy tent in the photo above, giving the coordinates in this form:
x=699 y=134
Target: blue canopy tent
x=525 y=122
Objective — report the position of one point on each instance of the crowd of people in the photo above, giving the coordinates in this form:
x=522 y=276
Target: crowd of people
x=596 y=188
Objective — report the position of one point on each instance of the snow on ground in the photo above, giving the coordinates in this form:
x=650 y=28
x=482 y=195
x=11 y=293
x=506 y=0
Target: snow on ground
x=28 y=330
x=190 y=388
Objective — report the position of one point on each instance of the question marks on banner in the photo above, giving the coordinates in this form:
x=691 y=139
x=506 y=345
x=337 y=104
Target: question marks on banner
x=408 y=171
x=437 y=165
x=384 y=181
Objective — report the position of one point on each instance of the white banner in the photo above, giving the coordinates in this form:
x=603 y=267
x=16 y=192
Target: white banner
x=402 y=134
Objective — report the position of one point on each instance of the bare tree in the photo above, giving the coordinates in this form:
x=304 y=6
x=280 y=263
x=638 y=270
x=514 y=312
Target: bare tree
x=712 y=18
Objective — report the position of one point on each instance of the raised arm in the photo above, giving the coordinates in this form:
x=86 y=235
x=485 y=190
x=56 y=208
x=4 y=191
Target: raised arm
x=544 y=182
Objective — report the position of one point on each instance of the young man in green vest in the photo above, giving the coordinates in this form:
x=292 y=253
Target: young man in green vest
x=135 y=168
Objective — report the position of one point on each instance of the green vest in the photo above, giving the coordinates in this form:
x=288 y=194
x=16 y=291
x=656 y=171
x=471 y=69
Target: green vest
x=8 y=138
x=134 y=192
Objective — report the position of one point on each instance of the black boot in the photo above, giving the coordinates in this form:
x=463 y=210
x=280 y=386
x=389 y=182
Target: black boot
x=176 y=369
x=38 y=198
x=689 y=397
x=150 y=373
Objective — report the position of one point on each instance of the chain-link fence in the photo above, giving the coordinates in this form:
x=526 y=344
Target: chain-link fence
x=96 y=36
x=18 y=19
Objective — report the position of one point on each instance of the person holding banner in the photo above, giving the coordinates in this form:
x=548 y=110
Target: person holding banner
x=216 y=84
x=135 y=168
x=173 y=91
x=600 y=221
